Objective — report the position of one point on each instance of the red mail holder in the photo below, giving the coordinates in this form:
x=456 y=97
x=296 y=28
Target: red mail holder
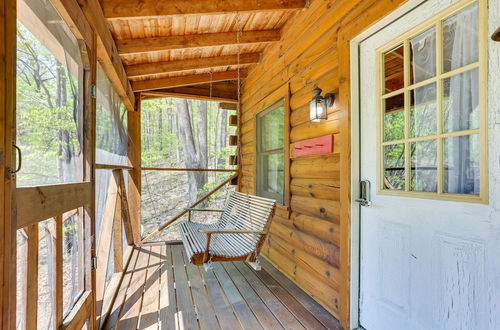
x=313 y=147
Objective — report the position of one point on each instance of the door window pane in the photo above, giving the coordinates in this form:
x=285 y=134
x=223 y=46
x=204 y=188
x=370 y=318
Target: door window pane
x=394 y=118
x=433 y=113
x=394 y=166
x=461 y=102
x=424 y=166
x=460 y=39
x=423 y=56
x=49 y=97
x=423 y=121
x=461 y=164
x=394 y=70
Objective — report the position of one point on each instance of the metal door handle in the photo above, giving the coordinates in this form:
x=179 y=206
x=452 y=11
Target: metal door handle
x=364 y=193
x=19 y=158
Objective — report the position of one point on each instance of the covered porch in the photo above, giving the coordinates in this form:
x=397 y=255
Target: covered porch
x=162 y=290
x=364 y=132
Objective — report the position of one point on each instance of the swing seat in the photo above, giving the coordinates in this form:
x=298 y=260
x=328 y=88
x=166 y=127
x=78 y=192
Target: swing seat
x=238 y=235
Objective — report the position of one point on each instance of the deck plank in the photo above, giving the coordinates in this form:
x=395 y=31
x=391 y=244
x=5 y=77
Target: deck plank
x=114 y=315
x=286 y=318
x=161 y=291
x=241 y=309
x=186 y=316
x=151 y=301
x=309 y=303
x=133 y=301
x=203 y=304
x=264 y=315
x=300 y=312
x=223 y=309
x=168 y=305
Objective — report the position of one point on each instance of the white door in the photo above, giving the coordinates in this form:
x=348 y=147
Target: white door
x=430 y=238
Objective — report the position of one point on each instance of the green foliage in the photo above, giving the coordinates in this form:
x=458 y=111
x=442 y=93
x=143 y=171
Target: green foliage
x=47 y=110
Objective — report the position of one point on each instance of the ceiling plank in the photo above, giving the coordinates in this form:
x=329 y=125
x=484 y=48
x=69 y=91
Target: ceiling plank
x=190 y=64
x=189 y=93
x=107 y=52
x=146 y=8
x=178 y=81
x=145 y=45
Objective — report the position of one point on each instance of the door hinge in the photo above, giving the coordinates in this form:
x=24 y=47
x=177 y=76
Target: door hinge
x=94 y=263
x=93 y=90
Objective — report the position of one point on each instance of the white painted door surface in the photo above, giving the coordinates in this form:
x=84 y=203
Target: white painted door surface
x=429 y=263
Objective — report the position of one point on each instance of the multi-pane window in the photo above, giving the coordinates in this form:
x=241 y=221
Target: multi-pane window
x=432 y=139
x=270 y=152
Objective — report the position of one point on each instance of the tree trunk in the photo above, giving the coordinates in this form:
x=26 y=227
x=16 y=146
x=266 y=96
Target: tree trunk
x=65 y=154
x=191 y=160
x=160 y=128
x=202 y=149
x=222 y=137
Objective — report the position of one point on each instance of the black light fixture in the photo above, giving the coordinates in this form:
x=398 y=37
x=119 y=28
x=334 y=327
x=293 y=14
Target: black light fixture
x=496 y=36
x=318 y=107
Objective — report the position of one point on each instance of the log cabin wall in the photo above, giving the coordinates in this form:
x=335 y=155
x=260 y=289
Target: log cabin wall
x=309 y=237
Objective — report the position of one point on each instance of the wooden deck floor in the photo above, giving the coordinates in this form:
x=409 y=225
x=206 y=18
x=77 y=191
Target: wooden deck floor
x=161 y=291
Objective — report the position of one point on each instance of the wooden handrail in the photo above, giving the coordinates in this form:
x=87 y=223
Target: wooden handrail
x=199 y=201
x=188 y=169
x=113 y=167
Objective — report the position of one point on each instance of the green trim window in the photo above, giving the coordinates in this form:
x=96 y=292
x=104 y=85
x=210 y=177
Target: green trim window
x=432 y=109
x=270 y=174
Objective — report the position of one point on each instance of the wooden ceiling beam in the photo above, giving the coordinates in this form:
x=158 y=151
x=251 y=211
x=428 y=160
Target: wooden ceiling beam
x=188 y=93
x=190 y=64
x=147 y=8
x=145 y=45
x=178 y=81
x=107 y=52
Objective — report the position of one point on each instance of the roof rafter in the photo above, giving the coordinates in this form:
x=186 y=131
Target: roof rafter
x=178 y=81
x=147 y=8
x=107 y=52
x=221 y=92
x=190 y=64
x=145 y=45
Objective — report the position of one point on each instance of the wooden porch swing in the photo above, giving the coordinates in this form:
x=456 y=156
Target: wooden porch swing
x=238 y=235
x=243 y=226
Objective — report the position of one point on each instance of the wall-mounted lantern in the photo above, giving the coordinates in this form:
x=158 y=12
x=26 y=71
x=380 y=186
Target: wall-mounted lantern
x=496 y=36
x=318 y=107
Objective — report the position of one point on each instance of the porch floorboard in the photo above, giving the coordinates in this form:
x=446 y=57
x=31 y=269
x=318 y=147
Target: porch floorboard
x=163 y=291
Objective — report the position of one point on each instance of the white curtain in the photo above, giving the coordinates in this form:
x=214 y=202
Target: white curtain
x=423 y=123
x=461 y=109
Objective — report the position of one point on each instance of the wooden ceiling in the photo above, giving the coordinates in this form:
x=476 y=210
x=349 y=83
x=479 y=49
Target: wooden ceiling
x=177 y=44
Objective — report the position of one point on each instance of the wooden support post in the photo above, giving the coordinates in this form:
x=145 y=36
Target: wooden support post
x=288 y=178
x=104 y=247
x=125 y=215
x=89 y=135
x=7 y=182
x=32 y=277
x=134 y=159
x=56 y=232
x=117 y=235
